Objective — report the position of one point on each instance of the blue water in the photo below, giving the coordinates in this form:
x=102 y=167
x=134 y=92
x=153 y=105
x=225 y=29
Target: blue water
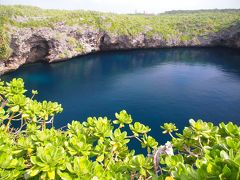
x=154 y=86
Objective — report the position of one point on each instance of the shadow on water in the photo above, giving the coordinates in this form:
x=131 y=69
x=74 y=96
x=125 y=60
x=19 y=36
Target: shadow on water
x=155 y=86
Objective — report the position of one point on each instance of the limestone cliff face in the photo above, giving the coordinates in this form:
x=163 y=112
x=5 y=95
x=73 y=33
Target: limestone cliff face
x=64 y=42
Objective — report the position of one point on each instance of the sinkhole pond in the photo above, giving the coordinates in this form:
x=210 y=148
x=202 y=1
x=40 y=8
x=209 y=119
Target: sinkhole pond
x=155 y=86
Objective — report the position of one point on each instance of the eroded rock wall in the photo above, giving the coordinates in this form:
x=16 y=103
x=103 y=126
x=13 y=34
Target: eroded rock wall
x=64 y=42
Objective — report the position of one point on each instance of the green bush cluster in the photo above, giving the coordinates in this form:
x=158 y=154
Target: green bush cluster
x=75 y=44
x=98 y=147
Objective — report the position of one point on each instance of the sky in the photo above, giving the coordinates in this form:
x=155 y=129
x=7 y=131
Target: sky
x=129 y=6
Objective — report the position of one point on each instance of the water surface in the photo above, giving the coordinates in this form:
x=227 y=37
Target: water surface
x=155 y=86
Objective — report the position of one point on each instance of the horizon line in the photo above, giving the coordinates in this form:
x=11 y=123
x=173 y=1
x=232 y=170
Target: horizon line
x=135 y=12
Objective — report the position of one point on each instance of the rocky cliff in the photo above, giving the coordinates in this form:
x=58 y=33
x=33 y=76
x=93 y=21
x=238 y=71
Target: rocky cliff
x=64 y=42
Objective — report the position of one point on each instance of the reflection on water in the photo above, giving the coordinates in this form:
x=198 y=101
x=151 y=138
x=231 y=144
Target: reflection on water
x=155 y=86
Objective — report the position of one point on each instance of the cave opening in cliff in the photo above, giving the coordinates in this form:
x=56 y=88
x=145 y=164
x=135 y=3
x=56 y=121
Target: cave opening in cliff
x=39 y=50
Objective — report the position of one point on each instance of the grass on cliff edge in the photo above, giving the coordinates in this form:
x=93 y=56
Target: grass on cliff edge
x=183 y=24
x=5 y=50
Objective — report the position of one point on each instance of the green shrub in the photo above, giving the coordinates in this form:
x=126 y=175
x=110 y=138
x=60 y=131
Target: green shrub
x=79 y=47
x=75 y=44
x=185 y=38
x=98 y=147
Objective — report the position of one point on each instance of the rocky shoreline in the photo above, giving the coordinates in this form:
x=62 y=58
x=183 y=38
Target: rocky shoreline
x=63 y=42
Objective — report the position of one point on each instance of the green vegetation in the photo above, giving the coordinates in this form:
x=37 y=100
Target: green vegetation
x=183 y=24
x=5 y=50
x=76 y=45
x=98 y=148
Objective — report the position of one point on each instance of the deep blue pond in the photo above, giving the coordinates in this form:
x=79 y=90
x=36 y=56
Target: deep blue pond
x=154 y=86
